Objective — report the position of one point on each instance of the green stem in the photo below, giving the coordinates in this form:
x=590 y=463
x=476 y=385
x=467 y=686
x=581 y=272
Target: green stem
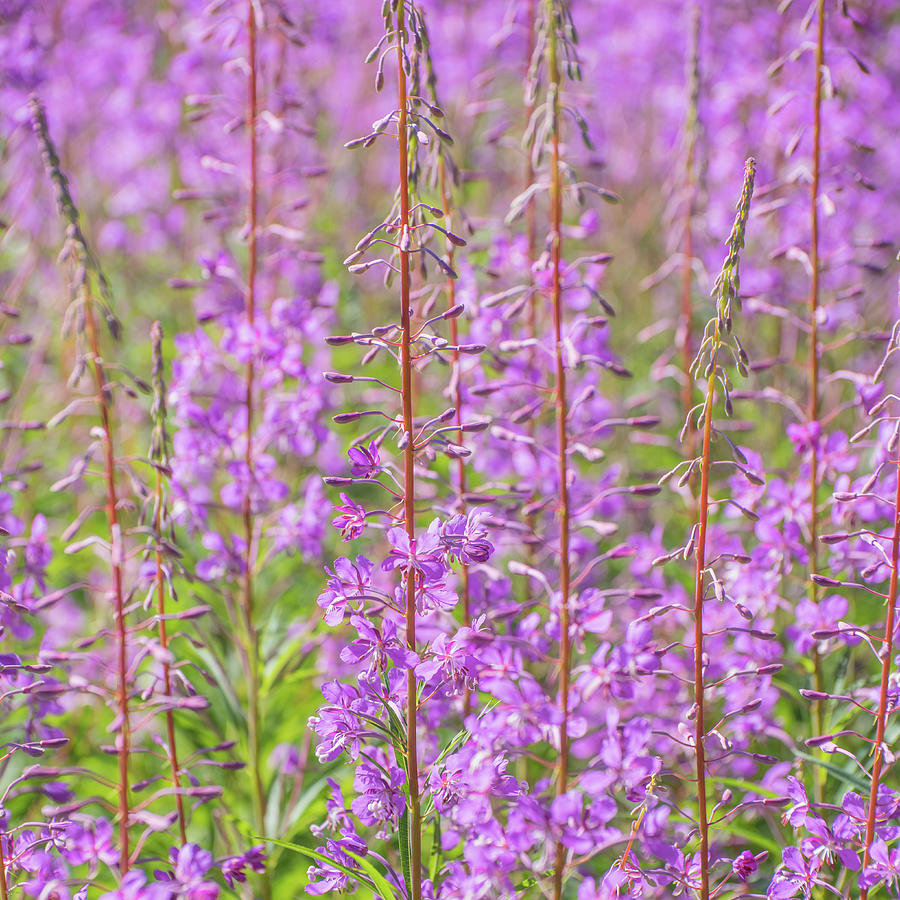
x=247 y=594
x=167 y=672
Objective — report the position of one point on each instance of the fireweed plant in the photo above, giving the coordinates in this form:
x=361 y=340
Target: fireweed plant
x=806 y=211
x=444 y=175
x=707 y=741
x=88 y=281
x=163 y=553
x=553 y=41
x=403 y=682
x=142 y=664
x=247 y=392
x=856 y=832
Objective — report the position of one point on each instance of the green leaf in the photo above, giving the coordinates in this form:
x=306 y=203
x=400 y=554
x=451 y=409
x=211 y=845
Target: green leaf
x=397 y=727
x=435 y=851
x=403 y=832
x=232 y=704
x=382 y=885
x=377 y=884
x=746 y=786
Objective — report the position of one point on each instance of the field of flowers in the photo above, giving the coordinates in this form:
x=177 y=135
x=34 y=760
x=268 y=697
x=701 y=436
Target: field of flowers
x=450 y=450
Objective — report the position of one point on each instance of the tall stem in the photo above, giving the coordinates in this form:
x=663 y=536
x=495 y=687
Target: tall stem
x=887 y=651
x=69 y=211
x=699 y=699
x=159 y=456
x=247 y=596
x=715 y=336
x=167 y=672
x=813 y=406
x=457 y=402
x=562 y=441
x=117 y=554
x=409 y=479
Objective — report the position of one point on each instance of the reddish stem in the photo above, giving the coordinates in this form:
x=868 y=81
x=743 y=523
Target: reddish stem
x=887 y=651
x=409 y=459
x=635 y=828
x=700 y=724
x=117 y=553
x=4 y=887
x=562 y=440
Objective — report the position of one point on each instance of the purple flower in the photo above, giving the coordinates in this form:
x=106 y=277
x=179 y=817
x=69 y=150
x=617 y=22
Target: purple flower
x=325 y=879
x=365 y=461
x=431 y=596
x=191 y=864
x=798 y=811
x=233 y=867
x=827 y=844
x=336 y=818
x=286 y=759
x=462 y=538
x=524 y=714
x=887 y=805
x=884 y=867
x=381 y=644
x=448 y=662
x=260 y=485
x=796 y=873
x=46 y=873
x=423 y=554
x=821 y=616
x=92 y=843
x=350 y=518
x=134 y=887
x=224 y=561
x=380 y=800
x=805 y=436
x=744 y=865
x=682 y=868
x=337 y=723
x=348 y=580
x=581 y=826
